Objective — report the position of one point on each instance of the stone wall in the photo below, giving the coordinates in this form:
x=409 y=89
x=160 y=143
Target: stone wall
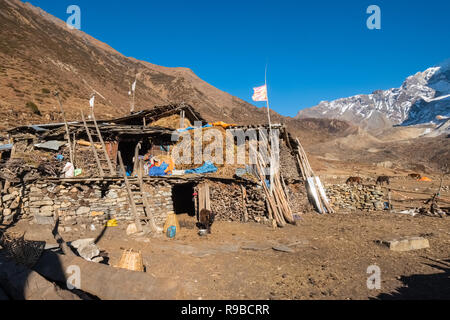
x=358 y=197
x=94 y=203
x=10 y=204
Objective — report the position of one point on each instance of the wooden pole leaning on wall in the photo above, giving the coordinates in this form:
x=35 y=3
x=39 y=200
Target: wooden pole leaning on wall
x=244 y=203
x=145 y=200
x=66 y=126
x=94 y=150
x=102 y=142
x=136 y=158
x=130 y=194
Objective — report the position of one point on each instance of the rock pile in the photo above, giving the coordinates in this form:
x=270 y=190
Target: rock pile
x=10 y=204
x=360 y=197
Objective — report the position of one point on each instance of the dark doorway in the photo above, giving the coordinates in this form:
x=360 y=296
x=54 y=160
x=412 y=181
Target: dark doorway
x=127 y=148
x=182 y=197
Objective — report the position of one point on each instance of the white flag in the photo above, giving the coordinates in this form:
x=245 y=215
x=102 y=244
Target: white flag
x=133 y=87
x=91 y=102
x=260 y=93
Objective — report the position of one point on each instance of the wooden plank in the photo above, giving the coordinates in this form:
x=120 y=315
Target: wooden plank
x=201 y=198
x=207 y=199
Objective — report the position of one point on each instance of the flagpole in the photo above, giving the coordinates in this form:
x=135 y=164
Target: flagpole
x=267 y=100
x=271 y=162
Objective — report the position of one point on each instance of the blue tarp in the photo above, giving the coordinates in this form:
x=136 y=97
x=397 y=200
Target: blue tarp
x=156 y=172
x=193 y=128
x=208 y=167
x=6 y=147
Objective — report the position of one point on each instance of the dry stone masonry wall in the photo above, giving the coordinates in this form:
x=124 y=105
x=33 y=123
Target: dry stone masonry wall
x=357 y=197
x=83 y=204
x=10 y=204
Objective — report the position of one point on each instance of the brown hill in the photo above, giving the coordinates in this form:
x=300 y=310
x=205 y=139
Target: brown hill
x=40 y=54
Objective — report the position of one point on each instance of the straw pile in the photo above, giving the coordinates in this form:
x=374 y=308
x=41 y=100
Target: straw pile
x=172 y=122
x=224 y=170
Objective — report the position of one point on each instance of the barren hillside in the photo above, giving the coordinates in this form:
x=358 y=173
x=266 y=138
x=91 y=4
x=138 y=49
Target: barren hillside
x=40 y=55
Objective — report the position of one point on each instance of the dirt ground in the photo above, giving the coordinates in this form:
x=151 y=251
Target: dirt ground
x=327 y=255
x=329 y=259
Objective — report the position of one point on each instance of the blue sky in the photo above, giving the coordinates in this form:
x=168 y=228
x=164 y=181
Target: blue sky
x=316 y=50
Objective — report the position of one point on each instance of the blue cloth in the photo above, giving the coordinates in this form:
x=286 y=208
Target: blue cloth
x=193 y=128
x=156 y=172
x=164 y=166
x=208 y=167
x=60 y=157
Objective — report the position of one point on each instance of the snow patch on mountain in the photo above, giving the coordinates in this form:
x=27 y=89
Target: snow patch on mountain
x=420 y=99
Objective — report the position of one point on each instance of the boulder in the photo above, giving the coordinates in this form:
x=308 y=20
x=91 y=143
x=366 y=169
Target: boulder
x=406 y=244
x=89 y=252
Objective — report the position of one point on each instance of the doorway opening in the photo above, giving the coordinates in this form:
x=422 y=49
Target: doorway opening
x=183 y=199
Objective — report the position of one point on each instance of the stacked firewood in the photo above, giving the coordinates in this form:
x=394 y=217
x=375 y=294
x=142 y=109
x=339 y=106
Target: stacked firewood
x=256 y=203
x=230 y=203
x=226 y=201
x=17 y=170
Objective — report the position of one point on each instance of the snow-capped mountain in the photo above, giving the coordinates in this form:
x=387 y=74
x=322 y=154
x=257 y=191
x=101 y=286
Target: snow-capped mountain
x=422 y=97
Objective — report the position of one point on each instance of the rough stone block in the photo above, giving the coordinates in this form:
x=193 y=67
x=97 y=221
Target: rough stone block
x=407 y=244
x=46 y=211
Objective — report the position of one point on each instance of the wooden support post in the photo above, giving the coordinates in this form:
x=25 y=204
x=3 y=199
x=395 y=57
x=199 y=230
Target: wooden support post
x=130 y=194
x=182 y=117
x=244 y=202
x=66 y=126
x=74 y=149
x=136 y=158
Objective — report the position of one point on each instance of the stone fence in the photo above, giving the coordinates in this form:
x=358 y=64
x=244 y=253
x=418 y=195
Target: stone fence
x=356 y=197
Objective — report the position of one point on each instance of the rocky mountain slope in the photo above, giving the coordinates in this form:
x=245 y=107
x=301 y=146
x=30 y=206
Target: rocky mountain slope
x=40 y=54
x=420 y=99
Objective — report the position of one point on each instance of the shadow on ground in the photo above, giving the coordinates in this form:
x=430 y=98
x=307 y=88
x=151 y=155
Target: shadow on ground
x=435 y=286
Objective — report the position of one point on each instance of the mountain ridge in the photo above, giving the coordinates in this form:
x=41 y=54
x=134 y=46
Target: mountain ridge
x=421 y=98
x=38 y=52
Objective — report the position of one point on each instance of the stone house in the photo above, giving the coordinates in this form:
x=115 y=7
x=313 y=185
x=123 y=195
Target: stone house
x=32 y=177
